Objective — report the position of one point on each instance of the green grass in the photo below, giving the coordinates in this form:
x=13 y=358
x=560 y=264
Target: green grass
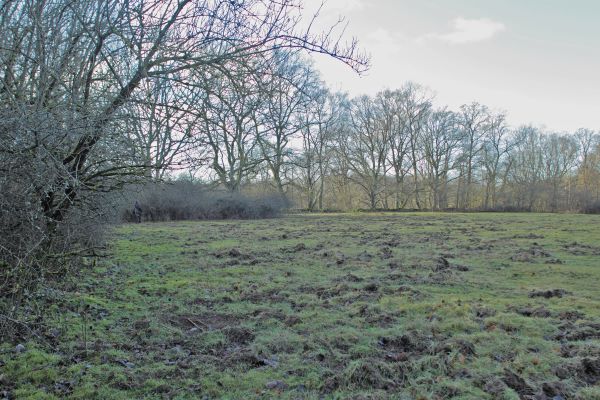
x=327 y=306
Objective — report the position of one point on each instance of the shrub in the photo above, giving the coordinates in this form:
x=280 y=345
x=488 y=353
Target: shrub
x=593 y=208
x=191 y=201
x=35 y=251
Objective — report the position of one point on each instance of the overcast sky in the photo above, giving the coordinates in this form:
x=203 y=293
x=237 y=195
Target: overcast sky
x=539 y=60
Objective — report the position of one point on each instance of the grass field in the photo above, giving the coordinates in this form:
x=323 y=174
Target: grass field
x=407 y=306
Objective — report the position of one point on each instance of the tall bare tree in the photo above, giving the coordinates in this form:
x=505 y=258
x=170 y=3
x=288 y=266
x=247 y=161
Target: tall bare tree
x=414 y=103
x=475 y=124
x=230 y=131
x=368 y=148
x=288 y=93
x=440 y=139
x=496 y=144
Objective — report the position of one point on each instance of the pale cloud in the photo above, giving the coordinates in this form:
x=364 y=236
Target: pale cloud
x=335 y=7
x=330 y=13
x=382 y=38
x=469 y=31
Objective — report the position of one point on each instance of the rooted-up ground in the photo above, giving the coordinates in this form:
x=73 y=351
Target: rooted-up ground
x=424 y=306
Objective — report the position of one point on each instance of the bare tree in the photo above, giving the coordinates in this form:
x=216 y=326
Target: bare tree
x=228 y=116
x=526 y=172
x=414 y=103
x=440 y=140
x=588 y=141
x=321 y=125
x=393 y=124
x=496 y=144
x=475 y=124
x=368 y=148
x=162 y=126
x=560 y=155
x=288 y=93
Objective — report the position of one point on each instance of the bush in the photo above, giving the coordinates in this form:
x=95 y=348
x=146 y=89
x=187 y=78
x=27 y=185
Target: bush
x=191 y=201
x=36 y=251
x=593 y=208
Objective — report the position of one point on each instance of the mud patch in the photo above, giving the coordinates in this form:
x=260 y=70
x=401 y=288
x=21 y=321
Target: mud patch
x=528 y=236
x=367 y=374
x=297 y=248
x=536 y=312
x=206 y=321
x=534 y=253
x=571 y=315
x=443 y=264
x=580 y=249
x=405 y=346
x=547 y=294
x=517 y=383
x=239 y=335
x=586 y=370
x=461 y=346
x=574 y=332
x=386 y=253
x=484 y=312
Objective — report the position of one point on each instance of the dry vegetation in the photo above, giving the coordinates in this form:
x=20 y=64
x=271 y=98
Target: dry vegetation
x=408 y=306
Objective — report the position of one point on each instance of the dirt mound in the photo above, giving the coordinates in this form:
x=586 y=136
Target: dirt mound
x=580 y=249
x=365 y=374
x=585 y=370
x=517 y=383
x=205 y=321
x=238 y=335
x=571 y=315
x=443 y=264
x=371 y=287
x=349 y=277
x=364 y=256
x=548 y=293
x=538 y=312
x=590 y=370
x=386 y=253
x=552 y=390
x=584 y=331
x=409 y=343
x=484 y=312
x=534 y=253
x=528 y=236
x=461 y=346
x=246 y=359
x=493 y=386
x=297 y=248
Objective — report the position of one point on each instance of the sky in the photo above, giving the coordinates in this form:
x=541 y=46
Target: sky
x=537 y=60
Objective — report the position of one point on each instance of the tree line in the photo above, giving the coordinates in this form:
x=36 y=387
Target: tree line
x=283 y=130
x=397 y=150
